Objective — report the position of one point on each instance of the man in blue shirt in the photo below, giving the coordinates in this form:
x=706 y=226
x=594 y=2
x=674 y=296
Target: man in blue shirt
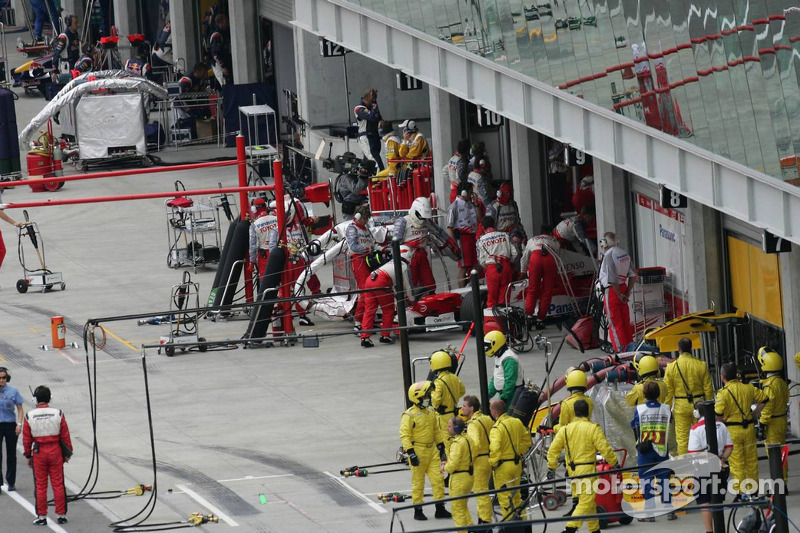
x=10 y=425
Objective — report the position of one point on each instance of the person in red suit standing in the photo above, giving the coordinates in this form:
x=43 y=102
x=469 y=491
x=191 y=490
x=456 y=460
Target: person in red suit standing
x=46 y=443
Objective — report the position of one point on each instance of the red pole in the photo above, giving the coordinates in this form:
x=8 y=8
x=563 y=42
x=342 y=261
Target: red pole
x=121 y=173
x=244 y=210
x=143 y=196
x=241 y=162
x=284 y=291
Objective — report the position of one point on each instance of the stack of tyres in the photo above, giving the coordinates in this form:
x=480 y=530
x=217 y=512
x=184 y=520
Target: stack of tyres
x=9 y=145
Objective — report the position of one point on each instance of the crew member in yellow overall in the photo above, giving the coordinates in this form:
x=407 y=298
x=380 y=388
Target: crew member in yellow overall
x=460 y=467
x=582 y=440
x=733 y=404
x=688 y=381
x=509 y=441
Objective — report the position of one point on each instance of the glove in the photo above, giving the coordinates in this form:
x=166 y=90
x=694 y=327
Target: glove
x=442 y=453
x=412 y=456
x=761 y=432
x=551 y=474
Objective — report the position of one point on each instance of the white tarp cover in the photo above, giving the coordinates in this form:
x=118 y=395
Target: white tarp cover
x=109 y=121
x=78 y=87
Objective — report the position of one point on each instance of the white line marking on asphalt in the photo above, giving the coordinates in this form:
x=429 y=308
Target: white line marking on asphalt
x=369 y=502
x=28 y=506
x=249 y=478
x=205 y=503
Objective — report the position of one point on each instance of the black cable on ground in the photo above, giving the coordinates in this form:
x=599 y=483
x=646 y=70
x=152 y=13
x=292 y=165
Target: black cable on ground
x=157 y=161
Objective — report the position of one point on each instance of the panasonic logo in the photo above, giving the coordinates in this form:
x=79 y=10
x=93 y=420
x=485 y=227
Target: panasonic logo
x=665 y=233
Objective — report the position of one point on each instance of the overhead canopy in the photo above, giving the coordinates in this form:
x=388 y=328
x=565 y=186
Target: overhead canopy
x=75 y=89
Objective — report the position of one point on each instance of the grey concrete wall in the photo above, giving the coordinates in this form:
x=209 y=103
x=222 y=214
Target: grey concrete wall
x=283 y=58
x=245 y=46
x=321 y=83
x=703 y=277
x=445 y=131
x=612 y=202
x=790 y=286
x=126 y=21
x=526 y=155
x=185 y=38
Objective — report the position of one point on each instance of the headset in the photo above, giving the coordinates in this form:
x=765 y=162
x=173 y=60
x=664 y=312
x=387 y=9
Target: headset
x=8 y=376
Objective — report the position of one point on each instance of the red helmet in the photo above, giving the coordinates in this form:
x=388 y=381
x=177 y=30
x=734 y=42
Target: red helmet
x=505 y=192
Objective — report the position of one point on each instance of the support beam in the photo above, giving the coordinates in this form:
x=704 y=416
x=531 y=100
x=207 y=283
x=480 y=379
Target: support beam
x=185 y=39
x=611 y=202
x=127 y=22
x=445 y=127
x=790 y=293
x=526 y=176
x=245 y=47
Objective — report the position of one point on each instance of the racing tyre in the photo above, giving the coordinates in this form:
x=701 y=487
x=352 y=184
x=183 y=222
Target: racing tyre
x=562 y=497
x=603 y=521
x=625 y=520
x=466 y=313
x=202 y=347
x=22 y=286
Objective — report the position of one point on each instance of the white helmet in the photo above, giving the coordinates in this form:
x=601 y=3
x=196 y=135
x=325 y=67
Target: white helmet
x=292 y=207
x=420 y=211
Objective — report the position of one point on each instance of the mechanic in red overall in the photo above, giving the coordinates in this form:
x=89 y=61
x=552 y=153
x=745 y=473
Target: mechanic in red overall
x=264 y=223
x=415 y=230
x=46 y=443
x=384 y=278
x=495 y=254
x=360 y=242
x=295 y=244
x=617 y=278
x=542 y=274
x=505 y=210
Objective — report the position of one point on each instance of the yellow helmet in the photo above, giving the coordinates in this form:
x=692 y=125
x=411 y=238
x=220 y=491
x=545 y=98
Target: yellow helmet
x=576 y=379
x=647 y=366
x=493 y=342
x=419 y=391
x=769 y=361
x=440 y=361
x=637 y=358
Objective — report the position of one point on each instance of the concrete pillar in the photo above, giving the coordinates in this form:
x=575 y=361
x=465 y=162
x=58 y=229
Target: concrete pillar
x=185 y=38
x=445 y=129
x=611 y=202
x=526 y=176
x=245 y=46
x=790 y=287
x=703 y=246
x=127 y=22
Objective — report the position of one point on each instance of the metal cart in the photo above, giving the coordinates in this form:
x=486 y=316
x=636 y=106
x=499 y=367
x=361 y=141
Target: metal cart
x=183 y=325
x=38 y=278
x=193 y=231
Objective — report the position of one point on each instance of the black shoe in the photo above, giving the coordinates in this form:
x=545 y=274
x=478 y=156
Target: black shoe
x=539 y=325
x=11 y=488
x=386 y=340
x=40 y=521
x=366 y=343
x=441 y=512
x=305 y=321
x=62 y=519
x=418 y=514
